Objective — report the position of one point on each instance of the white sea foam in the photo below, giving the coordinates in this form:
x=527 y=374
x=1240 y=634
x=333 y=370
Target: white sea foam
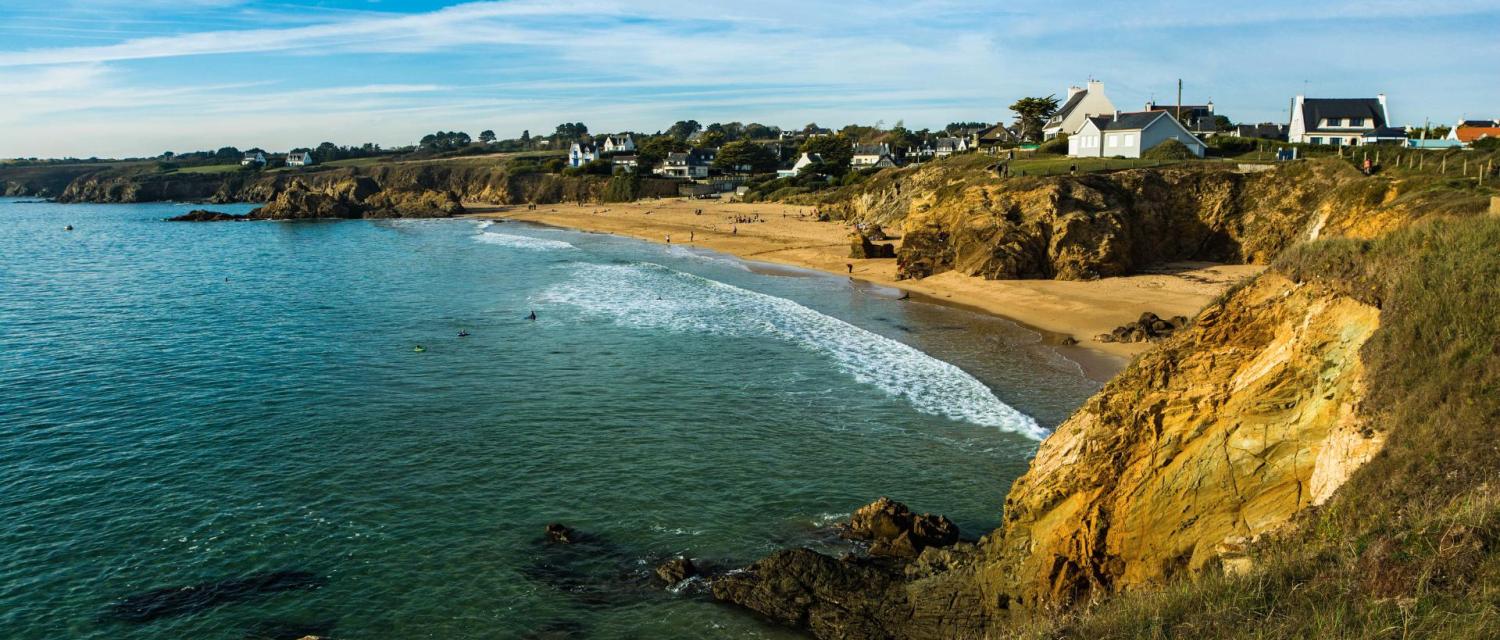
x=628 y=294
x=522 y=242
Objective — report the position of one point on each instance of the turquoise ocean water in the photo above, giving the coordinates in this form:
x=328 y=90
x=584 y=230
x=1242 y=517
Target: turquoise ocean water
x=241 y=405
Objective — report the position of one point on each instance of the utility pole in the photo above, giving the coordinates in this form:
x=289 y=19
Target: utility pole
x=1179 y=99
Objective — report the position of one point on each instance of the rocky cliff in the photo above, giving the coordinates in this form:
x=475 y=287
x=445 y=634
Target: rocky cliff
x=1236 y=424
x=956 y=216
x=1325 y=430
x=471 y=180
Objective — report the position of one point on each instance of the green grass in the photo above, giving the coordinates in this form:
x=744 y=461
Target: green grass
x=1410 y=547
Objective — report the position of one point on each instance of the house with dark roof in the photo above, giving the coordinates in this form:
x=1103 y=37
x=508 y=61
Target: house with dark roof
x=945 y=147
x=253 y=157
x=1267 y=130
x=691 y=165
x=1130 y=135
x=1338 y=121
x=995 y=137
x=1198 y=118
x=1082 y=103
x=869 y=155
x=299 y=159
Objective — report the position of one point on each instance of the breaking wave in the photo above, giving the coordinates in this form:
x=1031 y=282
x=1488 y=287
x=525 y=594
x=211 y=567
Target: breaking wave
x=627 y=294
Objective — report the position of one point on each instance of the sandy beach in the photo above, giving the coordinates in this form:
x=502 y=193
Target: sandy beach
x=789 y=235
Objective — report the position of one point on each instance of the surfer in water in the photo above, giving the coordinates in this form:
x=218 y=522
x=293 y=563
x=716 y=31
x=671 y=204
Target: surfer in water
x=462 y=333
x=532 y=316
x=68 y=228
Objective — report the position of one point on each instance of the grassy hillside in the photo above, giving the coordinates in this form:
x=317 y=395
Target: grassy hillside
x=1410 y=547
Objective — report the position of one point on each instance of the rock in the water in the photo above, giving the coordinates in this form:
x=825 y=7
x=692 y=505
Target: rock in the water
x=204 y=215
x=560 y=533
x=893 y=530
x=676 y=570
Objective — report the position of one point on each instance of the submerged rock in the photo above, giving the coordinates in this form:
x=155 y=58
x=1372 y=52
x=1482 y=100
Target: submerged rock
x=174 y=601
x=560 y=533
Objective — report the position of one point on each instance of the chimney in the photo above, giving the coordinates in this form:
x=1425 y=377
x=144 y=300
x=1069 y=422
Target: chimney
x=1073 y=91
x=1117 y=115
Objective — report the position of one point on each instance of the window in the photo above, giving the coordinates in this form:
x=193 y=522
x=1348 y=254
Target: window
x=1112 y=140
x=1336 y=141
x=1356 y=122
x=1334 y=122
x=1317 y=140
x=1129 y=140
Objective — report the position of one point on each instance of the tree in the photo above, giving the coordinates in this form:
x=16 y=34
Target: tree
x=1222 y=123
x=655 y=149
x=487 y=136
x=758 y=131
x=900 y=137
x=836 y=151
x=326 y=152
x=525 y=138
x=1032 y=114
x=683 y=129
x=744 y=156
x=571 y=131
x=227 y=153
x=711 y=139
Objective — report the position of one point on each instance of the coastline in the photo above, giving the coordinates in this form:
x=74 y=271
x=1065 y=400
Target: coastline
x=788 y=235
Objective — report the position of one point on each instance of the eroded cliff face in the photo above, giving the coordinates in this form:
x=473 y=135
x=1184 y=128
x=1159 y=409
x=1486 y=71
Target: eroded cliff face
x=954 y=217
x=1232 y=427
x=1223 y=434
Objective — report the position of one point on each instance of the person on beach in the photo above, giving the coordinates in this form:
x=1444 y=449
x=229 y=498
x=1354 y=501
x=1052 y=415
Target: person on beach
x=669 y=238
x=691 y=234
x=734 y=230
x=850 y=266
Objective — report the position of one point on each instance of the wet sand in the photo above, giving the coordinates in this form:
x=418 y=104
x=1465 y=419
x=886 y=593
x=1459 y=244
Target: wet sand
x=789 y=235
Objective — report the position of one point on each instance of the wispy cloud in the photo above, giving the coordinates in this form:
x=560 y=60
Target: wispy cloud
x=278 y=74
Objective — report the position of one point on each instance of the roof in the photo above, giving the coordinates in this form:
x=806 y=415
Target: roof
x=869 y=149
x=1069 y=106
x=1127 y=121
x=1470 y=134
x=997 y=132
x=624 y=159
x=1315 y=110
x=1386 y=132
x=1483 y=124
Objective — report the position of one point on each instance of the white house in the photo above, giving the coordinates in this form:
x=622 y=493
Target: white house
x=807 y=160
x=254 y=157
x=582 y=153
x=1337 y=121
x=299 y=159
x=1198 y=118
x=869 y=155
x=619 y=144
x=1082 y=103
x=1130 y=135
x=690 y=165
x=949 y=146
x=625 y=163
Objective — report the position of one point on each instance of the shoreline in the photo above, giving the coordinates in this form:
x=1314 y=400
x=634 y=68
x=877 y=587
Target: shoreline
x=788 y=235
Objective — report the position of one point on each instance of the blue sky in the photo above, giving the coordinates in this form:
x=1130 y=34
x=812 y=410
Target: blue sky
x=137 y=77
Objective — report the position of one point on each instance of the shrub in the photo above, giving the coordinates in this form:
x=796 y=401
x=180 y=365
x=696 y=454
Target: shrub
x=1169 y=150
x=1056 y=146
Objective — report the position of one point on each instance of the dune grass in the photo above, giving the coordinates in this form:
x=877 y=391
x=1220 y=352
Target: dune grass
x=1410 y=547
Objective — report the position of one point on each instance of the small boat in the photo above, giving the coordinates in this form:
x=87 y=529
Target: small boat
x=68 y=228
x=419 y=348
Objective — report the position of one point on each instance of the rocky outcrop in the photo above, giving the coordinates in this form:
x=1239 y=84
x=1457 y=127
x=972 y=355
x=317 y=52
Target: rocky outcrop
x=860 y=247
x=1149 y=327
x=358 y=197
x=204 y=215
x=1246 y=418
x=893 y=530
